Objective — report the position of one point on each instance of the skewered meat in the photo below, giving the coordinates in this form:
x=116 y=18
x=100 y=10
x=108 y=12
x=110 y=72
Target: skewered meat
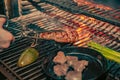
x=74 y=75
x=71 y=60
x=60 y=58
x=80 y=65
x=68 y=35
x=61 y=69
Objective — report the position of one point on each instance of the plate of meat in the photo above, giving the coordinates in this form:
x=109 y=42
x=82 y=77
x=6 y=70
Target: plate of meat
x=74 y=63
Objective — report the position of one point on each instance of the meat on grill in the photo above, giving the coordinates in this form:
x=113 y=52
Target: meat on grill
x=61 y=69
x=68 y=35
x=71 y=60
x=73 y=75
x=60 y=58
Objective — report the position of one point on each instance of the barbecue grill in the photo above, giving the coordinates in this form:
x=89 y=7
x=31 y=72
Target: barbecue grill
x=39 y=15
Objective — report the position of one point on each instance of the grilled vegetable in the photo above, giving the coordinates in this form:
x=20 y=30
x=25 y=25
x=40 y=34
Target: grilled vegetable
x=27 y=57
x=108 y=53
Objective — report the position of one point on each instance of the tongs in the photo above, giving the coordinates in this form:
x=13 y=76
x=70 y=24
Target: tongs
x=26 y=32
x=34 y=34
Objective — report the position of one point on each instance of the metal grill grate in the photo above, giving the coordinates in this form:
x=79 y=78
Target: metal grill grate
x=102 y=30
x=10 y=56
x=101 y=14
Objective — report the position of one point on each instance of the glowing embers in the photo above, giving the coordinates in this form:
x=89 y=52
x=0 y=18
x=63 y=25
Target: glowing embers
x=92 y=4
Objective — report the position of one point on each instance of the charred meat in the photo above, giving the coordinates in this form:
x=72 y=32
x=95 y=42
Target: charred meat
x=67 y=35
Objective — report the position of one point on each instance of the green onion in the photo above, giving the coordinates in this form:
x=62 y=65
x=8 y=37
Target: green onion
x=106 y=52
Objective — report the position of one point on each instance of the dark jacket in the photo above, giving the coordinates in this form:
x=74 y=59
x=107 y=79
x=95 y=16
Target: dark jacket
x=2 y=8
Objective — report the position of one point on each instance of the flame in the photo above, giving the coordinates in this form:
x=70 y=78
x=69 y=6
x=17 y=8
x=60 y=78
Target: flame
x=40 y=24
x=82 y=17
x=79 y=29
x=83 y=39
x=92 y=20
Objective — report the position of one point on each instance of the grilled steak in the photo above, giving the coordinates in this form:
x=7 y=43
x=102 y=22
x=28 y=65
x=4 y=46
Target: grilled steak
x=68 y=35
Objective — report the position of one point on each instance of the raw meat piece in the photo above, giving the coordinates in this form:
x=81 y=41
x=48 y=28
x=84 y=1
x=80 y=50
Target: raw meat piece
x=60 y=58
x=84 y=62
x=61 y=69
x=71 y=60
x=73 y=75
x=80 y=65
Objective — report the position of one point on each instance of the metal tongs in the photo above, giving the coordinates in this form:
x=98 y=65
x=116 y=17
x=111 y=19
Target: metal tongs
x=25 y=32
x=35 y=35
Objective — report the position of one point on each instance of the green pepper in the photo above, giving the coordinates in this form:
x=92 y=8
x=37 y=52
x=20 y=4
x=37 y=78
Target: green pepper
x=28 y=57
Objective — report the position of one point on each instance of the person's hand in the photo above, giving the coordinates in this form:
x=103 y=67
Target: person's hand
x=5 y=38
x=2 y=21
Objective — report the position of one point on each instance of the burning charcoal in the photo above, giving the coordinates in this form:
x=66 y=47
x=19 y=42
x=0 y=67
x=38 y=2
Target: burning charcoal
x=61 y=70
x=60 y=58
x=92 y=4
x=80 y=65
x=73 y=75
x=71 y=60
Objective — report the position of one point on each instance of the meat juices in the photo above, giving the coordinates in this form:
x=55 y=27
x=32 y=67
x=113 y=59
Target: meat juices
x=64 y=63
x=60 y=58
x=73 y=75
